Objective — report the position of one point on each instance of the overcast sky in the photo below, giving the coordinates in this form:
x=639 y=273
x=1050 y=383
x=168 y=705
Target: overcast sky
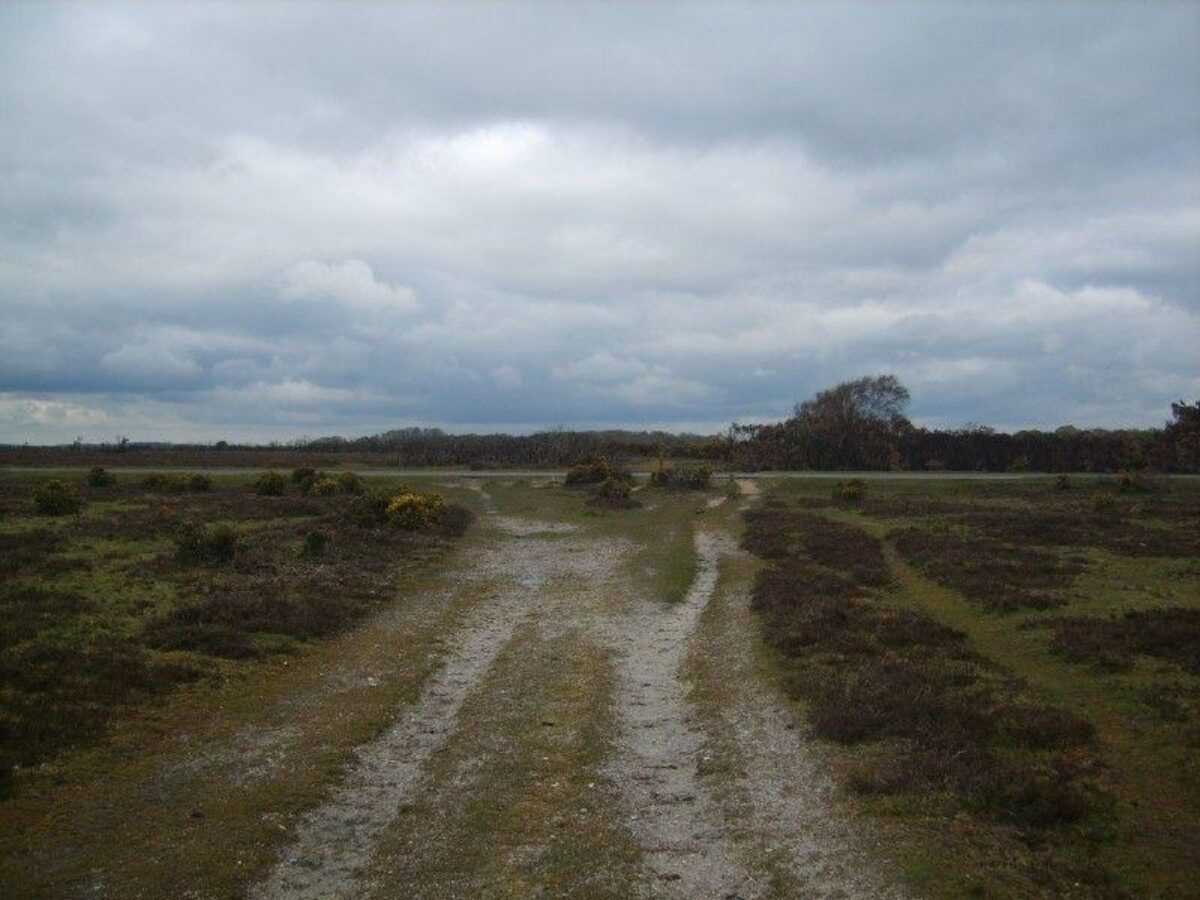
x=267 y=221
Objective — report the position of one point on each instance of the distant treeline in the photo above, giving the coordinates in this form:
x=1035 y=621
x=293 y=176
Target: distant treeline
x=857 y=425
x=860 y=425
x=405 y=447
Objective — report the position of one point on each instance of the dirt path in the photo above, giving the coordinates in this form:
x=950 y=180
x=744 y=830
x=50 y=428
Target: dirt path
x=681 y=831
x=336 y=841
x=706 y=772
x=338 y=838
x=534 y=723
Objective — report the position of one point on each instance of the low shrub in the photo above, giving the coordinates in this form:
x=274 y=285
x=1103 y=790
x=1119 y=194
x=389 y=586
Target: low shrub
x=612 y=493
x=686 y=477
x=156 y=481
x=415 y=511
x=1171 y=633
x=596 y=472
x=350 y=483
x=269 y=484
x=164 y=483
x=57 y=498
x=993 y=571
x=196 y=544
x=315 y=543
x=851 y=491
x=1131 y=483
x=99 y=477
x=367 y=510
x=304 y=477
x=1104 y=505
x=324 y=487
x=455 y=520
x=875 y=673
x=1062 y=483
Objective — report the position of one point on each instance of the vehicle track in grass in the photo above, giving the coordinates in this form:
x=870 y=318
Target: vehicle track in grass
x=558 y=738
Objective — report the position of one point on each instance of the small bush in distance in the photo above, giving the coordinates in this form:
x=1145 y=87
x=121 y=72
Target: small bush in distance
x=303 y=477
x=324 y=487
x=695 y=478
x=613 y=494
x=350 y=483
x=1062 y=483
x=199 y=484
x=57 y=498
x=315 y=543
x=595 y=473
x=851 y=491
x=1104 y=505
x=99 y=477
x=414 y=511
x=1130 y=483
x=156 y=481
x=200 y=544
x=368 y=510
x=455 y=520
x=269 y=484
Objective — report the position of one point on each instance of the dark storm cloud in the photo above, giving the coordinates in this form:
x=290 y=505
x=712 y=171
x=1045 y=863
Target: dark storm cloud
x=273 y=220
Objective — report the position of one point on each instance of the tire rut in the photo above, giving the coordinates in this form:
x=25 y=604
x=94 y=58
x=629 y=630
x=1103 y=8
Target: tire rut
x=685 y=842
x=336 y=842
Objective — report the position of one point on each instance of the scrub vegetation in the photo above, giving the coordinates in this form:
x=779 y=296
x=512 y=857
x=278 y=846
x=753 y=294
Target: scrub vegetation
x=1008 y=674
x=114 y=593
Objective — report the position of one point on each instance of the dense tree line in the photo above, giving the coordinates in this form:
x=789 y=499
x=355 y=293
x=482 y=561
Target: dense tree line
x=434 y=447
x=860 y=425
x=857 y=425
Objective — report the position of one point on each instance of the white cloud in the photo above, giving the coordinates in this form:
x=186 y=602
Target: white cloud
x=350 y=282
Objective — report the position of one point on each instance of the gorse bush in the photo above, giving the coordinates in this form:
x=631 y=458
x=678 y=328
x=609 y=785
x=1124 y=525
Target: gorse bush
x=415 y=511
x=686 y=477
x=304 y=474
x=350 y=483
x=99 y=477
x=156 y=481
x=613 y=494
x=1131 y=483
x=851 y=491
x=269 y=484
x=324 y=487
x=57 y=498
x=595 y=473
x=1062 y=483
x=367 y=510
x=163 y=483
x=206 y=544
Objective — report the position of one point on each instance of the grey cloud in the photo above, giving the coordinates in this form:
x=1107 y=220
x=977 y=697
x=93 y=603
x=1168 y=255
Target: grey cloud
x=225 y=220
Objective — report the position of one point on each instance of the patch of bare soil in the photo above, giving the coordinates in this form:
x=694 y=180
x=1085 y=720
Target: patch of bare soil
x=749 y=487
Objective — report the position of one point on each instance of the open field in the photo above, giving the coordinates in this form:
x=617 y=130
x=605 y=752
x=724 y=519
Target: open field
x=943 y=687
